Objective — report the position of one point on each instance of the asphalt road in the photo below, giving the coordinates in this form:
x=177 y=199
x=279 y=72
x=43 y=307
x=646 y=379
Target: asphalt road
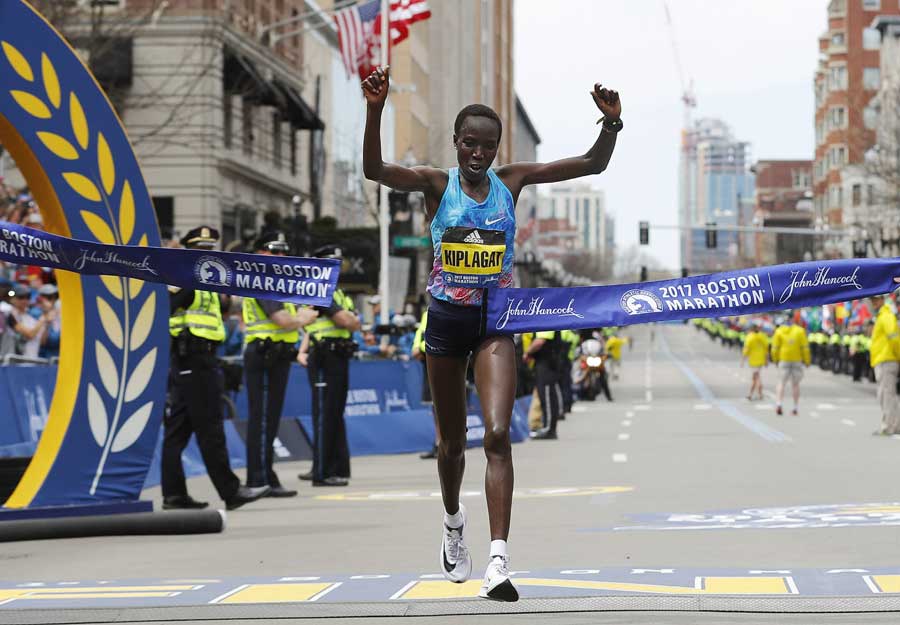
x=679 y=498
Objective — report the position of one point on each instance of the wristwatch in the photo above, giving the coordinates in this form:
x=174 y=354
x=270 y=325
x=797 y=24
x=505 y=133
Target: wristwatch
x=612 y=126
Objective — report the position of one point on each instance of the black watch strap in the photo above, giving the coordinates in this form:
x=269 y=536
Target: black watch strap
x=612 y=125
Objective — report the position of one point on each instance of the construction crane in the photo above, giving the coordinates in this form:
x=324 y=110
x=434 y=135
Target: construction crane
x=687 y=87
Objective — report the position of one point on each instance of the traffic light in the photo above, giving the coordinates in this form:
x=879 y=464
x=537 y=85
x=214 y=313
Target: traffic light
x=644 y=228
x=643 y=273
x=711 y=241
x=401 y=214
x=684 y=272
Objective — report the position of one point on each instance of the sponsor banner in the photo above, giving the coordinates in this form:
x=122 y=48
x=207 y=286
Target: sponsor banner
x=286 y=278
x=725 y=294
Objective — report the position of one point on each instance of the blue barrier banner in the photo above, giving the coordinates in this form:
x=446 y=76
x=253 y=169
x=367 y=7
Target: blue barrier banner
x=725 y=294
x=286 y=278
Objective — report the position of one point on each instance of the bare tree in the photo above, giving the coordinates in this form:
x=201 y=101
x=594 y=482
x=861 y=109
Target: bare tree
x=629 y=262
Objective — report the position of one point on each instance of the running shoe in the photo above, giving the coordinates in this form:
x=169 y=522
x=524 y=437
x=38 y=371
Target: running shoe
x=496 y=584
x=778 y=410
x=456 y=563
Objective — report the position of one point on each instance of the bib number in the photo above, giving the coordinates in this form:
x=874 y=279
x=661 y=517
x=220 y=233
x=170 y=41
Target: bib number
x=472 y=257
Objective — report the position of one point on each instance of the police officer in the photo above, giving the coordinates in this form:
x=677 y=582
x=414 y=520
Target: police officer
x=326 y=352
x=544 y=350
x=271 y=336
x=195 y=393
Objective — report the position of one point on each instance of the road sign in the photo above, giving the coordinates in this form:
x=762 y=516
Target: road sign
x=407 y=242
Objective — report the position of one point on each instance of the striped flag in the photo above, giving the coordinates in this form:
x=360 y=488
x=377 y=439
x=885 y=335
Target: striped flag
x=359 y=31
x=355 y=26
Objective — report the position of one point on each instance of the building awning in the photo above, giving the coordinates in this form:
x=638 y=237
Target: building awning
x=242 y=77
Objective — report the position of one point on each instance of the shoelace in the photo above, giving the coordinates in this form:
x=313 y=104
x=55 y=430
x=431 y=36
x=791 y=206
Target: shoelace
x=454 y=545
x=501 y=564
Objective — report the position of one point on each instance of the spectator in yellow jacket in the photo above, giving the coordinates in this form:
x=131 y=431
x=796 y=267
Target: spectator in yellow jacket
x=884 y=356
x=790 y=349
x=756 y=352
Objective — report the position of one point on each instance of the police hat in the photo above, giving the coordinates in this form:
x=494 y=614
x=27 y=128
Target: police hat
x=328 y=251
x=273 y=241
x=202 y=237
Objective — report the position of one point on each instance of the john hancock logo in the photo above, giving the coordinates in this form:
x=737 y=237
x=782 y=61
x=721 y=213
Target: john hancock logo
x=640 y=302
x=820 y=278
x=535 y=308
x=211 y=270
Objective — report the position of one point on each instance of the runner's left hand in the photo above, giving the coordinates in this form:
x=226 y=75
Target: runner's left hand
x=607 y=101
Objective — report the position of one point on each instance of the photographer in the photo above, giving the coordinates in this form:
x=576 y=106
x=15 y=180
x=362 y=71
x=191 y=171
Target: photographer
x=326 y=352
x=271 y=337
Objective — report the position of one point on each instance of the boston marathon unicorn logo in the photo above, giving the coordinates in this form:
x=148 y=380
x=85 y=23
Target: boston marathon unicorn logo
x=640 y=302
x=65 y=137
x=211 y=270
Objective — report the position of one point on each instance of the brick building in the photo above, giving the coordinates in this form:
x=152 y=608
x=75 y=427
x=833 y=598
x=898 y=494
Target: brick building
x=847 y=78
x=783 y=199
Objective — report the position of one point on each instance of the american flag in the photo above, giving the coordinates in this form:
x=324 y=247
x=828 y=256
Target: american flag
x=359 y=31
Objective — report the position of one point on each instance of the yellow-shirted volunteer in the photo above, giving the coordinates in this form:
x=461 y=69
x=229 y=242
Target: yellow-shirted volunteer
x=884 y=356
x=756 y=352
x=790 y=349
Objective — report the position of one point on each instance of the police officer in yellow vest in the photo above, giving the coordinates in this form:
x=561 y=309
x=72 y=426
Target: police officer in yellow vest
x=271 y=334
x=326 y=352
x=195 y=393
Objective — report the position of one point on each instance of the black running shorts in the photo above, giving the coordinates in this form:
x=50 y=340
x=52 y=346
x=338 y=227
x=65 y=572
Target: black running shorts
x=452 y=329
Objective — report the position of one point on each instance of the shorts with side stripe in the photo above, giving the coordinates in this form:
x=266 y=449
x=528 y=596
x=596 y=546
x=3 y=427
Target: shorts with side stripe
x=452 y=329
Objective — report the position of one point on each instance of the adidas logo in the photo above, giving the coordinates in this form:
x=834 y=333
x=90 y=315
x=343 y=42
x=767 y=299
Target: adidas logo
x=474 y=238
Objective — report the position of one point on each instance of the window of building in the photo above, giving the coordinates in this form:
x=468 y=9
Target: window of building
x=293 y=148
x=247 y=127
x=276 y=140
x=871 y=5
x=870 y=117
x=838 y=39
x=856 y=194
x=800 y=179
x=820 y=93
x=164 y=206
x=871 y=78
x=838 y=117
x=837 y=7
x=871 y=39
x=227 y=120
x=837 y=196
x=870 y=194
x=837 y=78
x=820 y=134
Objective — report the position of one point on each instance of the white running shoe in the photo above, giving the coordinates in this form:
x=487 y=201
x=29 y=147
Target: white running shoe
x=455 y=561
x=496 y=584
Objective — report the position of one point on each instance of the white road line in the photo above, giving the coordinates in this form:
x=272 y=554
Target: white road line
x=624 y=436
x=626 y=423
x=324 y=592
x=620 y=457
x=229 y=593
x=871 y=584
x=629 y=414
x=791 y=585
x=649 y=395
x=849 y=422
x=814 y=414
x=403 y=590
x=641 y=407
x=826 y=407
x=765 y=406
x=702 y=407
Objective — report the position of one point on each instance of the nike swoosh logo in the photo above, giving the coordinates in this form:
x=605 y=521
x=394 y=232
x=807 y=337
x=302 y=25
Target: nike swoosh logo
x=447 y=565
x=490 y=222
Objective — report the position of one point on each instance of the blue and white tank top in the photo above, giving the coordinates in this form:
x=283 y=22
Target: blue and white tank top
x=473 y=242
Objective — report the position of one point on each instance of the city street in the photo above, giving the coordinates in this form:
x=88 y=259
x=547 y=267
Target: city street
x=680 y=496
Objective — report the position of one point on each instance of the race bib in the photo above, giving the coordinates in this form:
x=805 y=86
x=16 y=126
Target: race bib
x=472 y=257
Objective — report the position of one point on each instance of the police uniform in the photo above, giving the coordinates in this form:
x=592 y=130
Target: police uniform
x=328 y=367
x=546 y=371
x=195 y=393
x=269 y=351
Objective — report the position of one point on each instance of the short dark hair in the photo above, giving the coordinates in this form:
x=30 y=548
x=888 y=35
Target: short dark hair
x=476 y=110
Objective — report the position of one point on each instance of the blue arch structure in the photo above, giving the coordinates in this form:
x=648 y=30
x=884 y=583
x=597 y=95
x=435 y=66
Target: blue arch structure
x=65 y=136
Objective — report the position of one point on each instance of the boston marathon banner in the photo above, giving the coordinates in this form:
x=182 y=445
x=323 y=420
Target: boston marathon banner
x=727 y=294
x=289 y=279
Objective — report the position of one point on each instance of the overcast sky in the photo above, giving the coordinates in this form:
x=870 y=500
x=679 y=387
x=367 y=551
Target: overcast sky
x=752 y=63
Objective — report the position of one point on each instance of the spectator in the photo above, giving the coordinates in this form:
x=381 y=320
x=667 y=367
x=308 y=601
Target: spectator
x=48 y=303
x=30 y=332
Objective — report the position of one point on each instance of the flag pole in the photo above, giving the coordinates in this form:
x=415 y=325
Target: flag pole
x=383 y=213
